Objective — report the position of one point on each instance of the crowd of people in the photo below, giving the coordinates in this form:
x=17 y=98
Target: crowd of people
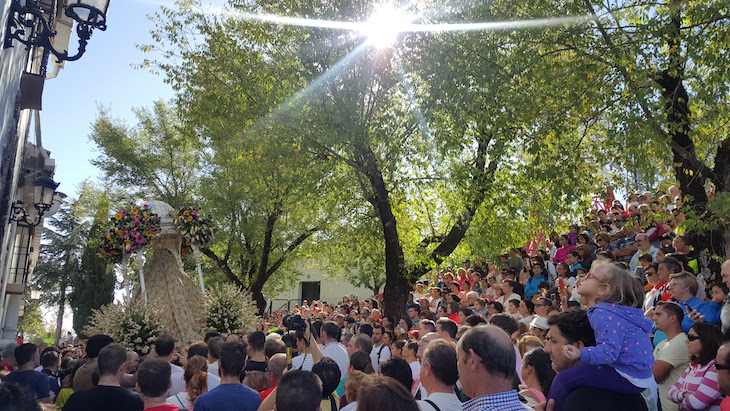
x=609 y=316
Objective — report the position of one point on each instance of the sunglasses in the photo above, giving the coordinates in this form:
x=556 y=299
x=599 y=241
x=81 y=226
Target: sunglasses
x=721 y=367
x=693 y=337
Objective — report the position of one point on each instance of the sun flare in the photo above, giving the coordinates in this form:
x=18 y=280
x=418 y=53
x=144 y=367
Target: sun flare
x=384 y=26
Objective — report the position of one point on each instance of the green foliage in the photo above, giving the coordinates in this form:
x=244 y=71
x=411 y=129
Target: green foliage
x=156 y=157
x=30 y=324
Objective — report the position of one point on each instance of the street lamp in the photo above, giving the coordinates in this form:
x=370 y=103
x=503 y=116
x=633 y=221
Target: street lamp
x=88 y=14
x=44 y=190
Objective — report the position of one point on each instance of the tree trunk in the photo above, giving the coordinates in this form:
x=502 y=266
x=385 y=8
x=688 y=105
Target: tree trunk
x=61 y=309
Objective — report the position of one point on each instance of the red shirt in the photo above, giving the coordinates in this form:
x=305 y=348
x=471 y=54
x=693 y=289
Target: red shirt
x=166 y=407
x=455 y=317
x=265 y=393
x=7 y=366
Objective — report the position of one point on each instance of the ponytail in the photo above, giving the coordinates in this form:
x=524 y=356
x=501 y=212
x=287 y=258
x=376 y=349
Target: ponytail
x=197 y=386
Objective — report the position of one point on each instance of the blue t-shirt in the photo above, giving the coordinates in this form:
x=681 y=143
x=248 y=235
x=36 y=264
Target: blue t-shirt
x=35 y=381
x=229 y=397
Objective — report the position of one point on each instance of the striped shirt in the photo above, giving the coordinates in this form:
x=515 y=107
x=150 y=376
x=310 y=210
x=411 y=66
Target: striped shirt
x=701 y=382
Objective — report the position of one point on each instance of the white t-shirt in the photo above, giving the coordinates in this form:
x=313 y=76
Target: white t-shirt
x=336 y=352
x=297 y=361
x=213 y=369
x=446 y=401
x=384 y=352
x=181 y=399
x=178 y=383
x=674 y=352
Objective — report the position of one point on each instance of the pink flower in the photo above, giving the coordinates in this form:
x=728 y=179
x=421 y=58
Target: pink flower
x=145 y=207
x=125 y=234
x=140 y=239
x=194 y=214
x=137 y=223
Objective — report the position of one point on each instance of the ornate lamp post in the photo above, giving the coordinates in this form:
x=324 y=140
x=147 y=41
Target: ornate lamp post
x=44 y=190
x=88 y=14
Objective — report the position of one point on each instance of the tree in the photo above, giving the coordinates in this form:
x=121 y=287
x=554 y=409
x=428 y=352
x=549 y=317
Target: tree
x=93 y=286
x=59 y=260
x=30 y=324
x=156 y=157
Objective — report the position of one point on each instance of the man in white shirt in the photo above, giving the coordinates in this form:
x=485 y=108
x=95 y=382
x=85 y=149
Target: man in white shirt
x=380 y=352
x=177 y=379
x=214 y=351
x=332 y=349
x=671 y=356
x=438 y=375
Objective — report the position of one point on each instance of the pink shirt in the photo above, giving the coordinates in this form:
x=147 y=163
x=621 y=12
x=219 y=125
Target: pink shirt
x=562 y=253
x=701 y=382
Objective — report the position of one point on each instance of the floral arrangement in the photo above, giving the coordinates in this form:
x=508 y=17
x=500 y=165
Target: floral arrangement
x=194 y=228
x=131 y=324
x=227 y=309
x=130 y=230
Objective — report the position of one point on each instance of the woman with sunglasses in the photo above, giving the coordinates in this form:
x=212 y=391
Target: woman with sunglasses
x=697 y=388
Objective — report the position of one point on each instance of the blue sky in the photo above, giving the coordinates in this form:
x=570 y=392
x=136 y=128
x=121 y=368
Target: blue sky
x=104 y=75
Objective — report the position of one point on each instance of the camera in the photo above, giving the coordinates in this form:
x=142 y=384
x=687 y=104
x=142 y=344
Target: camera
x=294 y=322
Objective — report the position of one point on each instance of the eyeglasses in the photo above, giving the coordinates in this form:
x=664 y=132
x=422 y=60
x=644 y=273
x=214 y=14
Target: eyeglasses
x=721 y=367
x=650 y=273
x=590 y=275
x=693 y=337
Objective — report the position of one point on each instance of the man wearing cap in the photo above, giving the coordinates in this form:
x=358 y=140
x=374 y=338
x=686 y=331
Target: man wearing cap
x=9 y=357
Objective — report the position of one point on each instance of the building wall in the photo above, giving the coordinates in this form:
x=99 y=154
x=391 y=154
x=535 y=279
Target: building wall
x=331 y=289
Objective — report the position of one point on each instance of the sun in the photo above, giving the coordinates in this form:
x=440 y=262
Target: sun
x=383 y=27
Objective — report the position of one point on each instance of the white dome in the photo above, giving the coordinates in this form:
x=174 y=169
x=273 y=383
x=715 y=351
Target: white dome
x=161 y=208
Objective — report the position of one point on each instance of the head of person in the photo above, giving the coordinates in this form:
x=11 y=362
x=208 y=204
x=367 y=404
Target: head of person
x=413 y=311
x=508 y=324
x=682 y=286
x=486 y=357
x=377 y=334
x=541 y=306
x=426 y=326
x=112 y=360
x=329 y=374
x=96 y=343
x=668 y=266
x=719 y=293
x=214 y=347
x=703 y=341
x=668 y=317
x=51 y=360
x=464 y=313
x=438 y=364
x=722 y=366
x=405 y=324
x=257 y=381
x=572 y=257
x=526 y=308
x=527 y=343
x=355 y=381
x=273 y=346
x=385 y=394
x=399 y=370
x=642 y=241
x=27 y=354
x=725 y=273
x=570 y=327
x=232 y=359
x=610 y=283
x=446 y=328
x=277 y=365
x=513 y=306
x=536 y=363
x=360 y=361
x=165 y=346
x=360 y=342
x=153 y=378
x=539 y=327
x=196 y=377
x=14 y=397
x=298 y=390
x=256 y=341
